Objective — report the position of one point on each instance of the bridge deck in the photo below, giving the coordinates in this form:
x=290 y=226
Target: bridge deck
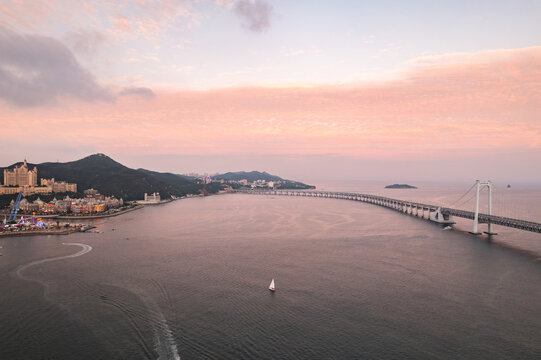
x=403 y=205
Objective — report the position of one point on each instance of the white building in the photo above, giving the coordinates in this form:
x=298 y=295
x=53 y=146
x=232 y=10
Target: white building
x=153 y=198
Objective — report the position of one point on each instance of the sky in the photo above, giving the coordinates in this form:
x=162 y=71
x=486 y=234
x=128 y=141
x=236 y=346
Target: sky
x=309 y=90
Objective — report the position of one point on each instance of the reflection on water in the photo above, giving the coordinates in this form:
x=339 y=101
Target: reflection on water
x=190 y=280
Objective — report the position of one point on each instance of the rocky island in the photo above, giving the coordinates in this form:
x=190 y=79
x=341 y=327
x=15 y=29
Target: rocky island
x=400 y=186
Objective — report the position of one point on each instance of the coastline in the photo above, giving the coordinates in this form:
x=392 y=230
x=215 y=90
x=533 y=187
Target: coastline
x=86 y=217
x=143 y=203
x=72 y=230
x=45 y=232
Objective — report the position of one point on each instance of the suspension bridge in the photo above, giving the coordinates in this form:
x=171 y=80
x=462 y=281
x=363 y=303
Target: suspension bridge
x=439 y=214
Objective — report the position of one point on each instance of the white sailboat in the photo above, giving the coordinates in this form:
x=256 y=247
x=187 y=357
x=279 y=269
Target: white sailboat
x=271 y=286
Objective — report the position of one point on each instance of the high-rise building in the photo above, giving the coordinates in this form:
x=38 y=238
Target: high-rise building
x=21 y=176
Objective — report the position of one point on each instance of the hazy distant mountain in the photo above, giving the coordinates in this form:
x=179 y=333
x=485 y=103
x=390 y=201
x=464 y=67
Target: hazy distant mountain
x=112 y=178
x=251 y=176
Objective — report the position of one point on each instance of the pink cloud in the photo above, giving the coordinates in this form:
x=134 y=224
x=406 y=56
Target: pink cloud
x=488 y=105
x=121 y=24
x=120 y=18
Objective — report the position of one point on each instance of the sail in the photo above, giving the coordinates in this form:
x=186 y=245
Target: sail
x=271 y=286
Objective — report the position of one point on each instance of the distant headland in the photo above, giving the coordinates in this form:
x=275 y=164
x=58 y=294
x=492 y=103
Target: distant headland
x=400 y=186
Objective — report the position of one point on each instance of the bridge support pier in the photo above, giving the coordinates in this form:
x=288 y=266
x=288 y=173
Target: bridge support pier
x=440 y=218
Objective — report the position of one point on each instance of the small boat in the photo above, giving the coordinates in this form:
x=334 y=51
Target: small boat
x=271 y=286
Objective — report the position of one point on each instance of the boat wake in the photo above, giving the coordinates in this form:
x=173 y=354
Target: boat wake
x=19 y=271
x=149 y=312
x=164 y=341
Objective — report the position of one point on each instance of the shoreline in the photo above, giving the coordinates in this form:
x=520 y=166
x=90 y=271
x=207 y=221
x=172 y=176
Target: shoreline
x=86 y=217
x=45 y=232
x=71 y=217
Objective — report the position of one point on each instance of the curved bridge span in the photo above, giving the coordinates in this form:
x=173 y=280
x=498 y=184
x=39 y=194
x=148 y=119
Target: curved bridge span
x=434 y=213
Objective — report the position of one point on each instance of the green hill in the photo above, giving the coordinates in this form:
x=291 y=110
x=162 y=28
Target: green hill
x=112 y=178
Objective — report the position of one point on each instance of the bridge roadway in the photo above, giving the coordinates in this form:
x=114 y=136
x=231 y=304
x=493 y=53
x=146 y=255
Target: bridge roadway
x=407 y=207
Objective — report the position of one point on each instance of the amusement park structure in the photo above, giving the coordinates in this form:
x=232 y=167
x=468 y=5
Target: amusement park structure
x=15 y=208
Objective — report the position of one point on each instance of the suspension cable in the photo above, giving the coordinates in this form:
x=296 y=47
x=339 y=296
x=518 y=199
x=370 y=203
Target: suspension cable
x=466 y=193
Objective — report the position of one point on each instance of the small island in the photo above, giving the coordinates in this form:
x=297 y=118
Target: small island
x=400 y=186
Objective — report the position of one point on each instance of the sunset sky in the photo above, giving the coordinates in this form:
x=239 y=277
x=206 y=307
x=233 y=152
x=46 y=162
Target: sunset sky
x=310 y=90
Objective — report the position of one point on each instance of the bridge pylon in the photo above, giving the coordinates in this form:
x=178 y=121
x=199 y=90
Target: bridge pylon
x=489 y=185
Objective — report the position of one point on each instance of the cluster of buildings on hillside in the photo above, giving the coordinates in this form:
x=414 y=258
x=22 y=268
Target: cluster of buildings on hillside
x=22 y=178
x=205 y=179
x=92 y=203
x=257 y=184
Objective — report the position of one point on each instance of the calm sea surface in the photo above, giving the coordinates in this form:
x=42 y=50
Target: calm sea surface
x=354 y=281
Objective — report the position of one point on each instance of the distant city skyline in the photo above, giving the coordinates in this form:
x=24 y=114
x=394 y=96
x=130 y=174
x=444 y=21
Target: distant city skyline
x=307 y=90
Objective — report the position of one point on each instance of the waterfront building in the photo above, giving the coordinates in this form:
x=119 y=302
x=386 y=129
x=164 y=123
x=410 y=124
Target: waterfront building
x=28 y=207
x=150 y=199
x=99 y=208
x=154 y=197
x=69 y=205
x=49 y=208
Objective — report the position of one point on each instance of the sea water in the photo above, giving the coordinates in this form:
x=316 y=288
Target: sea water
x=189 y=280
